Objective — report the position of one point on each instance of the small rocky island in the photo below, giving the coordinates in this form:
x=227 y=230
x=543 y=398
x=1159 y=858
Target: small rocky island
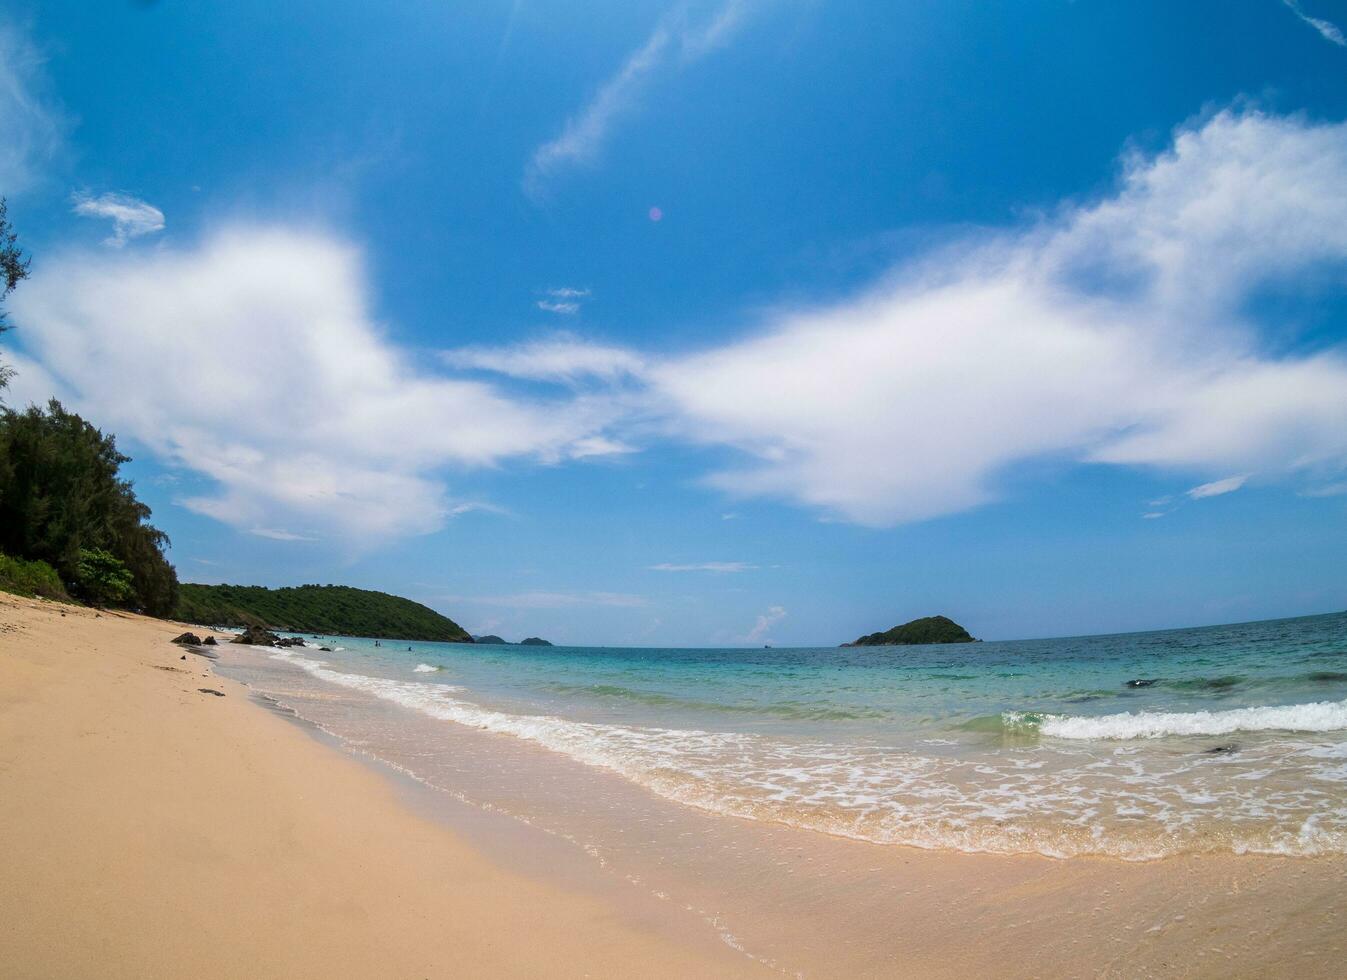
x=493 y=640
x=929 y=629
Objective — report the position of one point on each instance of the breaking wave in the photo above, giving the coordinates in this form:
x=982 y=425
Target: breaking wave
x=1319 y=716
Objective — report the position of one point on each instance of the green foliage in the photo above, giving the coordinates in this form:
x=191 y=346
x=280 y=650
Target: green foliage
x=102 y=579
x=30 y=578
x=491 y=639
x=336 y=609
x=61 y=496
x=534 y=641
x=13 y=268
x=931 y=629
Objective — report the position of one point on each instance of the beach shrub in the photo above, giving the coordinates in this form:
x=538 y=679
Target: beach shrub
x=30 y=578
x=102 y=579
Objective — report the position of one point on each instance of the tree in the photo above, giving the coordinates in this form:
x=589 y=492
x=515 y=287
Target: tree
x=103 y=579
x=61 y=496
x=13 y=268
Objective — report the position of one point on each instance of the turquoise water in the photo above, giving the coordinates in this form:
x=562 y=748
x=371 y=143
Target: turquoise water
x=1229 y=738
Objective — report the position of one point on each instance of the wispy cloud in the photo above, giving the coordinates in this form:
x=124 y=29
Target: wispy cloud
x=1218 y=487
x=1328 y=30
x=278 y=534
x=1326 y=490
x=705 y=566
x=555 y=306
x=764 y=624
x=562 y=357
x=130 y=216
x=679 y=39
x=31 y=120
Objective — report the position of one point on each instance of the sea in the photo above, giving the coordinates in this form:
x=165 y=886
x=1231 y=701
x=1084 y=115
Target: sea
x=691 y=772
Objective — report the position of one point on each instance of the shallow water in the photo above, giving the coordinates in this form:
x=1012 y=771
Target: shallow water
x=1137 y=746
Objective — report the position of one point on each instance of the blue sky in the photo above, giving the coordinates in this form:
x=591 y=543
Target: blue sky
x=705 y=323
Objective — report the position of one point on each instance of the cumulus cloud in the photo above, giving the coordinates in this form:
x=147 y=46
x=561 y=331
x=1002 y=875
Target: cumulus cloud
x=705 y=566
x=764 y=624
x=679 y=39
x=1328 y=30
x=1218 y=487
x=561 y=357
x=130 y=217
x=32 y=122
x=1114 y=332
x=253 y=360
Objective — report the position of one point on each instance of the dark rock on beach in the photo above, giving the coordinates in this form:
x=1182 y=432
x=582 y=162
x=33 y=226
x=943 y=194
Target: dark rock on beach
x=257 y=636
x=211 y=690
x=188 y=639
x=208 y=641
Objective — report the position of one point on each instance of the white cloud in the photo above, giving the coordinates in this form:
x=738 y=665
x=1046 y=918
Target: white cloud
x=764 y=624
x=130 y=217
x=1218 y=487
x=32 y=122
x=679 y=39
x=1118 y=331
x=568 y=292
x=278 y=534
x=705 y=566
x=562 y=357
x=252 y=359
x=1114 y=332
x=1326 y=490
x=1328 y=30
x=551 y=306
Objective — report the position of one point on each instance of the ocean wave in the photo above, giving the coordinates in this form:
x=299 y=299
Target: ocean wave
x=1008 y=804
x=425 y=669
x=1318 y=716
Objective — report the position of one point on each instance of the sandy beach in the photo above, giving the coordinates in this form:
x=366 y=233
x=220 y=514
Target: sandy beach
x=152 y=830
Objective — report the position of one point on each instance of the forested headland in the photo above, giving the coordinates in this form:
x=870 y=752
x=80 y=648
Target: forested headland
x=326 y=609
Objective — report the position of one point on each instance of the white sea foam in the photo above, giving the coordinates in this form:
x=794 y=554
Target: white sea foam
x=1004 y=803
x=1319 y=716
x=424 y=669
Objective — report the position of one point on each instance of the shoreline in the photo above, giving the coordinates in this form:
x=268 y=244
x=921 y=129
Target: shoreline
x=153 y=830
x=159 y=830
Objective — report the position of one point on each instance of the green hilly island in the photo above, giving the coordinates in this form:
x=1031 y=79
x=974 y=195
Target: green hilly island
x=336 y=609
x=929 y=629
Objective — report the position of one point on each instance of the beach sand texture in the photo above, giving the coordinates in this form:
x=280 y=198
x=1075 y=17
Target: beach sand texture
x=149 y=829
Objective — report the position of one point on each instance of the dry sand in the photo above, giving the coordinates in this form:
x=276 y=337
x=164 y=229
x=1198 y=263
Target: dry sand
x=150 y=830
